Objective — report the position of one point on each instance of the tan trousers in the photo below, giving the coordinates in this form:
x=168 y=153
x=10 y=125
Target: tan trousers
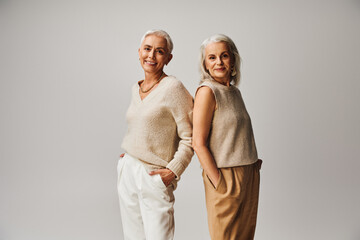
x=232 y=205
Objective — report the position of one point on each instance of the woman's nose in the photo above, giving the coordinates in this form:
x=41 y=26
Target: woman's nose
x=219 y=61
x=152 y=54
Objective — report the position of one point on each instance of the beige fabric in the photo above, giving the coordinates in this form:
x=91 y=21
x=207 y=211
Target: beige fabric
x=160 y=126
x=231 y=139
x=232 y=205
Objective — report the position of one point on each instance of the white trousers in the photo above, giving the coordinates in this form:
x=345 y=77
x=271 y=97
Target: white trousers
x=146 y=204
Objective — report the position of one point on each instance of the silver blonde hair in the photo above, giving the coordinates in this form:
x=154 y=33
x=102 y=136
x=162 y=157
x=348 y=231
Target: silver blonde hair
x=235 y=56
x=160 y=33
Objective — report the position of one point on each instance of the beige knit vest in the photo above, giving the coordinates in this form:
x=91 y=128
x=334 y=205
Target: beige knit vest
x=231 y=138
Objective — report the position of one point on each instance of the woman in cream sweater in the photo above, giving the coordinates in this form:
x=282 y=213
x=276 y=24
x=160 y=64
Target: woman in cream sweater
x=224 y=143
x=157 y=144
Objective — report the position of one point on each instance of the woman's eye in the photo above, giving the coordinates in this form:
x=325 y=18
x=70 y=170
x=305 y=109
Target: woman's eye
x=212 y=58
x=147 y=49
x=225 y=56
x=160 y=51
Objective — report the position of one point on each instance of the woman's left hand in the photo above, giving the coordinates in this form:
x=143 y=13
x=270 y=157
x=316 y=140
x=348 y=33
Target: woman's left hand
x=167 y=176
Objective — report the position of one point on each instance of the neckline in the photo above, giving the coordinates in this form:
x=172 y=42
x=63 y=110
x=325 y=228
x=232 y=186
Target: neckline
x=221 y=86
x=152 y=93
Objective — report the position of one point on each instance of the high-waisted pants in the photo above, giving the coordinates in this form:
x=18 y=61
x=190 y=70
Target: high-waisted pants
x=146 y=204
x=232 y=204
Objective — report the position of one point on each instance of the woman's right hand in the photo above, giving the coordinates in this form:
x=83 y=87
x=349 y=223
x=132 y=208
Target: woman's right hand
x=214 y=178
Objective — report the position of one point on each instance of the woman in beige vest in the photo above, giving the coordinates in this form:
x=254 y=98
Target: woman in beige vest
x=224 y=143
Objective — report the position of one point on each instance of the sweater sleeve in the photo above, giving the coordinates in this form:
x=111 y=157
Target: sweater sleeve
x=181 y=106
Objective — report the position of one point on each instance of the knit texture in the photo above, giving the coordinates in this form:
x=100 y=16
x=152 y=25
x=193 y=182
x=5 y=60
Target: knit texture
x=231 y=138
x=160 y=126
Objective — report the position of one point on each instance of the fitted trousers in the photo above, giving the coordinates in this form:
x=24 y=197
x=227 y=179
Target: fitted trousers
x=232 y=205
x=146 y=204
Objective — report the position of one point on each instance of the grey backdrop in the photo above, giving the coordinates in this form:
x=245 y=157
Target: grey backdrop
x=66 y=72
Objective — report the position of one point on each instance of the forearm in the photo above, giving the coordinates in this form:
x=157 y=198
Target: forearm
x=181 y=107
x=184 y=152
x=208 y=163
x=181 y=159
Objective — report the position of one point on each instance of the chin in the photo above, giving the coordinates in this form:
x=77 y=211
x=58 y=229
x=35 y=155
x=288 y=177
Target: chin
x=151 y=70
x=221 y=76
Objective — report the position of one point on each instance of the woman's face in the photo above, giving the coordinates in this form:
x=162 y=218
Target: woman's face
x=153 y=54
x=218 y=61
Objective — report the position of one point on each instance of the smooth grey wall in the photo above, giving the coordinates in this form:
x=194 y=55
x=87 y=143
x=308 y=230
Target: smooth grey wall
x=66 y=72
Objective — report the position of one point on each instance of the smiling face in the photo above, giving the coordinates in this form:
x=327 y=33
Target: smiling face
x=154 y=54
x=218 y=61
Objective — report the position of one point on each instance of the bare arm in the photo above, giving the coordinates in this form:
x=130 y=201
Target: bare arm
x=204 y=108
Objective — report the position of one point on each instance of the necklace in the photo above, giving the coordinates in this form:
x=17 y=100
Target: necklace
x=145 y=91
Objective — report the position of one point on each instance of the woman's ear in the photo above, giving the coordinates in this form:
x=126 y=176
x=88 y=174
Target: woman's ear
x=206 y=69
x=232 y=60
x=169 y=58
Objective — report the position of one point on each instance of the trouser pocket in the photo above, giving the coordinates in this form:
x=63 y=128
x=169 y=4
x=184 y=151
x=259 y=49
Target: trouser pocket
x=209 y=182
x=120 y=164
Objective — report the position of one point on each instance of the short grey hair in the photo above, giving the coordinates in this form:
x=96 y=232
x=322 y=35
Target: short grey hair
x=235 y=56
x=160 y=33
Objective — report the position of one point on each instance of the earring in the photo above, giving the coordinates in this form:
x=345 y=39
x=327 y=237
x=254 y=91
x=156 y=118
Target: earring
x=233 y=73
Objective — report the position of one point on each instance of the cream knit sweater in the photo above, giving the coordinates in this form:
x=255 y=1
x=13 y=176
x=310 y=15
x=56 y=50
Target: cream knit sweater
x=231 y=138
x=160 y=126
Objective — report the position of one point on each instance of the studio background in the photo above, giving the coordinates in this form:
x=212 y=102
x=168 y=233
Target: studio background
x=66 y=72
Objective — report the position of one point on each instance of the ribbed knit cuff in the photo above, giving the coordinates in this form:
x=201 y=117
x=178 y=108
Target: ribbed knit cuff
x=176 y=167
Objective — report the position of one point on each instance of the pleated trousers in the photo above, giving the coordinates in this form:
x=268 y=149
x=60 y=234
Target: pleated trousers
x=146 y=204
x=232 y=205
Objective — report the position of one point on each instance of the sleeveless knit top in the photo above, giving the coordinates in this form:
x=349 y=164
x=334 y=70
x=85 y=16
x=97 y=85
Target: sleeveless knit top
x=231 y=138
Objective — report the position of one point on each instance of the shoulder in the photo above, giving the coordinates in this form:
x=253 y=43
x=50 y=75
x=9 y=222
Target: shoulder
x=134 y=89
x=209 y=84
x=175 y=88
x=173 y=82
x=205 y=97
x=135 y=86
x=204 y=91
x=176 y=95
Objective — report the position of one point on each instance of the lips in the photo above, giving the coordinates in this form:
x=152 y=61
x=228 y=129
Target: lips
x=150 y=63
x=219 y=69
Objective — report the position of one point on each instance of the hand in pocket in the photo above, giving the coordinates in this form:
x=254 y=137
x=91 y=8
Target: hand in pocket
x=167 y=176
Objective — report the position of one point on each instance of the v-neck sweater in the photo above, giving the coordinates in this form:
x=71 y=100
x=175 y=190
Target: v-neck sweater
x=159 y=129
x=231 y=139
